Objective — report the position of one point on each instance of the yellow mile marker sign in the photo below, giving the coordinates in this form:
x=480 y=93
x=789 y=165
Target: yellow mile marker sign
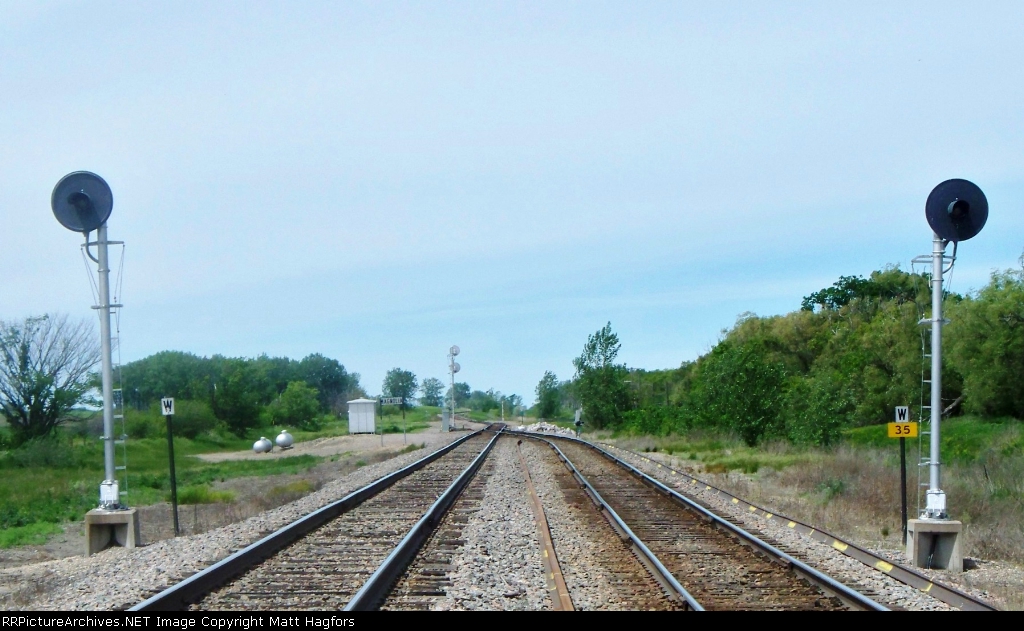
x=903 y=427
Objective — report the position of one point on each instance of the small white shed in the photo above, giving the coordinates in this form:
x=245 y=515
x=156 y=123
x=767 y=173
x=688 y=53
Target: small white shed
x=362 y=416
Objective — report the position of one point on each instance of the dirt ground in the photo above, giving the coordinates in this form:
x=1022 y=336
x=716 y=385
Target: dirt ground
x=253 y=494
x=367 y=444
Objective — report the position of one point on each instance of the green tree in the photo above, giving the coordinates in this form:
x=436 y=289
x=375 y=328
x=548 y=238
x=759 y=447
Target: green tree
x=432 y=391
x=513 y=403
x=277 y=372
x=985 y=344
x=167 y=374
x=44 y=372
x=241 y=392
x=888 y=284
x=817 y=408
x=548 y=396
x=329 y=378
x=298 y=406
x=400 y=383
x=462 y=393
x=737 y=389
x=600 y=383
x=486 y=401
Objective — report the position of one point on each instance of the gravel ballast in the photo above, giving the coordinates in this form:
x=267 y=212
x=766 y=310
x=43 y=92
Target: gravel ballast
x=499 y=567
x=882 y=588
x=595 y=562
x=118 y=578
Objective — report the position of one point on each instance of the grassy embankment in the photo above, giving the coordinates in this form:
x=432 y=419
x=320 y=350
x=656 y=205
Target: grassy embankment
x=48 y=483
x=853 y=490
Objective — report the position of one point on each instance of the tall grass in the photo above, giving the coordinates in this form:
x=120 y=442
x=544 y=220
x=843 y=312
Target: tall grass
x=31 y=535
x=203 y=494
x=57 y=480
x=854 y=489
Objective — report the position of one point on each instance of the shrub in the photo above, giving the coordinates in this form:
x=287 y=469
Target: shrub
x=831 y=488
x=817 y=409
x=658 y=421
x=45 y=451
x=297 y=407
x=31 y=534
x=191 y=418
x=202 y=495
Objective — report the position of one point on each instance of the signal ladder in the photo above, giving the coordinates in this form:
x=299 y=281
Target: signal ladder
x=924 y=416
x=121 y=440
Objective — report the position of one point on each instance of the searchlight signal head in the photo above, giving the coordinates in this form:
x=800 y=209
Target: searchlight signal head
x=956 y=210
x=82 y=201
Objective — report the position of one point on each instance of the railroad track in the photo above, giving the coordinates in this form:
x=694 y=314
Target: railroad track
x=701 y=560
x=346 y=555
x=633 y=581
x=908 y=576
x=628 y=583
x=425 y=582
x=391 y=544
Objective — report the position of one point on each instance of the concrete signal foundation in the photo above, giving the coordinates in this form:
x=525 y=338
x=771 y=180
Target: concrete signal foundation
x=935 y=544
x=107 y=528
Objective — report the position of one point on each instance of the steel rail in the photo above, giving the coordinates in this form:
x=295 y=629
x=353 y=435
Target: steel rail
x=828 y=584
x=643 y=553
x=178 y=597
x=909 y=576
x=376 y=588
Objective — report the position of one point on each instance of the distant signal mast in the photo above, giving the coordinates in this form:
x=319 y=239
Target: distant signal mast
x=453 y=367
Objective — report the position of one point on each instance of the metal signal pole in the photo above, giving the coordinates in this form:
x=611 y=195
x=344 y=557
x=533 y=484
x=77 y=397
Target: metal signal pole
x=451 y=373
x=935 y=499
x=82 y=202
x=453 y=367
x=110 y=496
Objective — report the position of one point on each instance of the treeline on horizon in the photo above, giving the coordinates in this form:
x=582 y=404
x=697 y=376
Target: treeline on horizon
x=846 y=358
x=236 y=394
x=239 y=394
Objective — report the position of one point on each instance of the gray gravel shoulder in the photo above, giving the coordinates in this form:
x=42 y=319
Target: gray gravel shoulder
x=119 y=578
x=499 y=567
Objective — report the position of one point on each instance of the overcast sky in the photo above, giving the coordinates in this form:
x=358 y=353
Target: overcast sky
x=377 y=181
